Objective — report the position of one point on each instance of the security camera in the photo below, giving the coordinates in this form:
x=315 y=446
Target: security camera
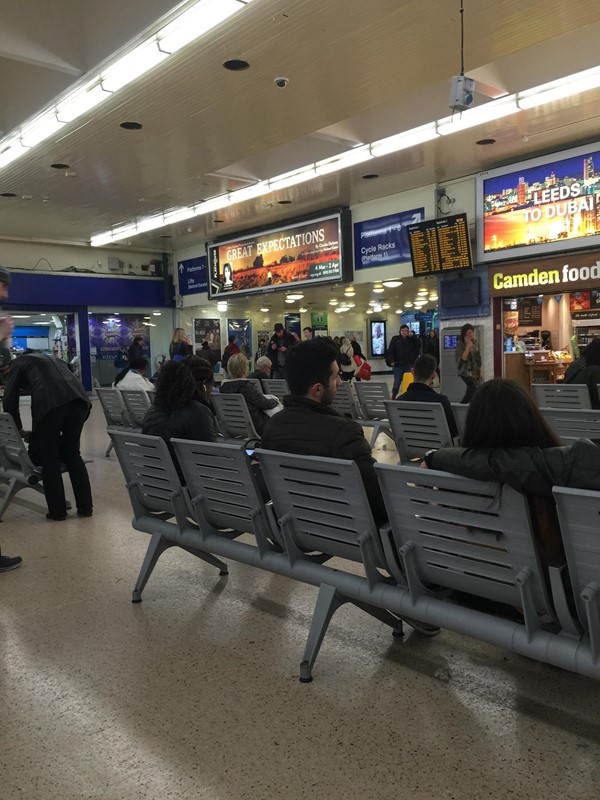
x=281 y=83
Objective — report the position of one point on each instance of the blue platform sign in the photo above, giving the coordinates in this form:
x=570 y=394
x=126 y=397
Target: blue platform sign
x=193 y=276
x=384 y=240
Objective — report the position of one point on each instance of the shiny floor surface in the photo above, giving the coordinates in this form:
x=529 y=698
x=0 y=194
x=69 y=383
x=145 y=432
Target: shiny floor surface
x=194 y=693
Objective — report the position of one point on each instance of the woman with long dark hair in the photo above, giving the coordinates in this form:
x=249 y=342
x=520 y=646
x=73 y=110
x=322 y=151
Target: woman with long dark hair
x=468 y=361
x=506 y=439
x=180 y=410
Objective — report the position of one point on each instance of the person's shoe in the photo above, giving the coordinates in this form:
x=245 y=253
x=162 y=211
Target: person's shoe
x=9 y=562
x=85 y=513
x=56 y=518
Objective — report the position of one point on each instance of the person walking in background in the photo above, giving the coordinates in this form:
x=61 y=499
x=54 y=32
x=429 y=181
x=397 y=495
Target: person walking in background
x=401 y=355
x=180 y=346
x=347 y=363
x=308 y=333
x=468 y=361
x=59 y=409
x=6 y=326
x=136 y=349
x=279 y=346
x=432 y=348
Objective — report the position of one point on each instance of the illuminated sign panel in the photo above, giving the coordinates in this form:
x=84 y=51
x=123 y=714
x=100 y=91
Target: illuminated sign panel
x=298 y=254
x=540 y=206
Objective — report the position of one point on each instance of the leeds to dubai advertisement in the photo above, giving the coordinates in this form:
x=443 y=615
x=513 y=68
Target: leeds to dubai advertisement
x=284 y=257
x=553 y=202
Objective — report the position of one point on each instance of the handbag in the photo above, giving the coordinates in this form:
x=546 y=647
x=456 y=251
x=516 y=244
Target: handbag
x=364 y=373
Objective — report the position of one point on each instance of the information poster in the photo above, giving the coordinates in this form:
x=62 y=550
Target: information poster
x=111 y=336
x=208 y=329
x=242 y=330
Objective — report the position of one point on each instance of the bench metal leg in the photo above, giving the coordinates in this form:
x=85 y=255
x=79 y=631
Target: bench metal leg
x=156 y=548
x=210 y=559
x=375 y=434
x=109 y=448
x=328 y=603
x=11 y=490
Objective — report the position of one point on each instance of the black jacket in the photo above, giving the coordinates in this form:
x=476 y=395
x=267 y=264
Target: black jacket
x=287 y=341
x=590 y=375
x=255 y=400
x=309 y=428
x=532 y=471
x=49 y=382
x=422 y=393
x=403 y=351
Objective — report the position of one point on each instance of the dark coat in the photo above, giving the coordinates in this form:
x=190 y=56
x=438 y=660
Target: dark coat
x=309 y=428
x=255 y=400
x=422 y=393
x=287 y=341
x=403 y=351
x=532 y=471
x=590 y=375
x=48 y=380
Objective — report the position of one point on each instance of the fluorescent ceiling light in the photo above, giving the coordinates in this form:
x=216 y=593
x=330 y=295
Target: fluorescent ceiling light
x=333 y=302
x=21 y=316
x=290 y=299
x=378 y=289
x=408 y=304
x=558 y=90
x=40 y=129
x=249 y=192
x=349 y=159
x=194 y=22
x=81 y=101
x=303 y=310
x=295 y=296
x=370 y=311
x=156 y=313
x=216 y=204
x=264 y=310
x=291 y=178
x=496 y=109
x=179 y=215
x=401 y=141
x=11 y=150
x=392 y=284
x=132 y=65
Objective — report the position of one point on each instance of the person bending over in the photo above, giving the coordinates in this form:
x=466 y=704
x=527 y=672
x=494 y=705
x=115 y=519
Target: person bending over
x=424 y=372
x=256 y=401
x=506 y=439
x=308 y=425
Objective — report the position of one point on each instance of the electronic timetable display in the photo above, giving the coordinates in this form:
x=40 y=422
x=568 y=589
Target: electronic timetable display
x=440 y=245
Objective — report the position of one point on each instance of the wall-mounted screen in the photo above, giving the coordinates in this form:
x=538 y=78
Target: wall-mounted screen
x=377 y=338
x=295 y=254
x=464 y=293
x=440 y=245
x=539 y=206
x=450 y=341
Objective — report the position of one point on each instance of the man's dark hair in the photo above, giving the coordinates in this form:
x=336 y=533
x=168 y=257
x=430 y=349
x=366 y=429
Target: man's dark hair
x=592 y=353
x=138 y=339
x=309 y=362
x=278 y=327
x=502 y=414
x=308 y=328
x=424 y=368
x=231 y=340
x=404 y=326
x=139 y=362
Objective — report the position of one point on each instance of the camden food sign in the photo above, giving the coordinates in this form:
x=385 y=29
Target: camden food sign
x=547 y=278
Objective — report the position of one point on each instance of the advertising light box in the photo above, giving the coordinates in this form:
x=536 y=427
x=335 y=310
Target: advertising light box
x=295 y=255
x=540 y=206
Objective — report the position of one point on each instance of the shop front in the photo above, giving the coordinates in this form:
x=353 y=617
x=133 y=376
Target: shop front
x=545 y=312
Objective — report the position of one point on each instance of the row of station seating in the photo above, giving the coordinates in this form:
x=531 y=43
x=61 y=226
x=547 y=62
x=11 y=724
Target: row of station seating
x=450 y=543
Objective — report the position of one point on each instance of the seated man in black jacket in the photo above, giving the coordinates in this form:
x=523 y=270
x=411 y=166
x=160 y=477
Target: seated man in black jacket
x=424 y=372
x=308 y=425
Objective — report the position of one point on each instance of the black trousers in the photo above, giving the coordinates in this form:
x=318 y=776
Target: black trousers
x=471 y=389
x=54 y=440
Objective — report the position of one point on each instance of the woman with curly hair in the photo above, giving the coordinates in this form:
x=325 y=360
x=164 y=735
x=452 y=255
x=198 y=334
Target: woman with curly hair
x=181 y=409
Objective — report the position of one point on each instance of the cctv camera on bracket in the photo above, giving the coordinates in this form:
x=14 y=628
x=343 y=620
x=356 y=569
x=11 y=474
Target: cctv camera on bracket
x=461 y=93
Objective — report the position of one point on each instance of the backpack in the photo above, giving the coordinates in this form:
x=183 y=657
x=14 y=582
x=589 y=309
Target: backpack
x=345 y=360
x=226 y=357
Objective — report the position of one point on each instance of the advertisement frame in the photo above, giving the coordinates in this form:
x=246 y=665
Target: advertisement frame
x=531 y=250
x=372 y=352
x=345 y=273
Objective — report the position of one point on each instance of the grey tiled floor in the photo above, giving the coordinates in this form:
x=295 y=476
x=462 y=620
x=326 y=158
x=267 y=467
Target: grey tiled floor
x=194 y=693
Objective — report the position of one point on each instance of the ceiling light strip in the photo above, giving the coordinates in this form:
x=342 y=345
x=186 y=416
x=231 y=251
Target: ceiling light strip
x=495 y=109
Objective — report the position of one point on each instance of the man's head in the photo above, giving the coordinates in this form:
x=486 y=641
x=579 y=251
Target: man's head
x=139 y=364
x=404 y=329
x=264 y=364
x=279 y=329
x=424 y=370
x=138 y=340
x=308 y=332
x=4 y=283
x=231 y=340
x=312 y=370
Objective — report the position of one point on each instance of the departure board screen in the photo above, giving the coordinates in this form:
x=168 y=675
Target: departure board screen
x=440 y=245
